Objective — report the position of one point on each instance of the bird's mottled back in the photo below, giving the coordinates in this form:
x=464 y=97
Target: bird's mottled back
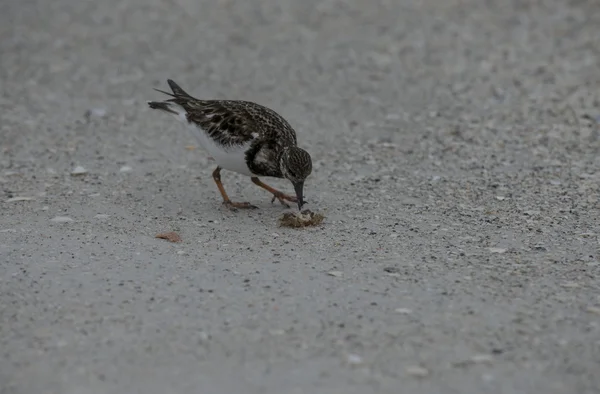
x=233 y=122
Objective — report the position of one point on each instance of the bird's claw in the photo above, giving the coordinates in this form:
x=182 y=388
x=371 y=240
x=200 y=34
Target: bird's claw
x=282 y=197
x=241 y=205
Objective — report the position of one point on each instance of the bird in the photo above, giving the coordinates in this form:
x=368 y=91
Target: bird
x=243 y=137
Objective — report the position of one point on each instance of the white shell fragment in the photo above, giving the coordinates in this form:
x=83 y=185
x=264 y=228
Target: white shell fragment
x=17 y=199
x=61 y=219
x=417 y=371
x=79 y=170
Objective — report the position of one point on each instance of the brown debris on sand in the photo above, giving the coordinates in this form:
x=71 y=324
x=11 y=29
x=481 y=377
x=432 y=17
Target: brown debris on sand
x=170 y=236
x=301 y=219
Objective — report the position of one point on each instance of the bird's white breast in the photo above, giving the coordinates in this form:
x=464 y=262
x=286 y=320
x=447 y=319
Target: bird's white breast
x=232 y=158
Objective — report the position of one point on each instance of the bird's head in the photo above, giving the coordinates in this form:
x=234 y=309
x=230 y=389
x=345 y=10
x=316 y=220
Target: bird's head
x=296 y=166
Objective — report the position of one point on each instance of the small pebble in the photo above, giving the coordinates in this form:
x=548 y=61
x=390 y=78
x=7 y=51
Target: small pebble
x=182 y=253
x=79 y=170
x=203 y=336
x=497 y=250
x=61 y=219
x=403 y=311
x=97 y=112
x=500 y=198
x=337 y=274
x=354 y=359
x=417 y=371
x=125 y=169
x=101 y=216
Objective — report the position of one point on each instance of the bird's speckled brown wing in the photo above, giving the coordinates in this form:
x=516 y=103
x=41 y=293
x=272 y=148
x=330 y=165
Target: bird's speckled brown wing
x=237 y=122
x=233 y=122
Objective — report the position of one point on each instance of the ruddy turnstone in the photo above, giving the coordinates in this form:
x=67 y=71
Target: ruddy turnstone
x=244 y=137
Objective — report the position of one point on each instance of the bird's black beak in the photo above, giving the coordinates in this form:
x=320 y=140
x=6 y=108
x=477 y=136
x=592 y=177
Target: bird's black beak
x=299 y=187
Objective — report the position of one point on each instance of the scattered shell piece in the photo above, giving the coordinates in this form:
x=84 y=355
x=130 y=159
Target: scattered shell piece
x=417 y=371
x=394 y=235
x=476 y=359
x=125 y=169
x=337 y=274
x=302 y=219
x=8 y=230
x=97 y=112
x=61 y=219
x=392 y=270
x=101 y=216
x=403 y=311
x=79 y=170
x=587 y=235
x=182 y=253
x=482 y=359
x=497 y=250
x=570 y=285
x=354 y=359
x=16 y=199
x=171 y=236
x=500 y=198
x=594 y=310
x=190 y=147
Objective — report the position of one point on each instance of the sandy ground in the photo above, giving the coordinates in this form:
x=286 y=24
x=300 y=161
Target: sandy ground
x=456 y=158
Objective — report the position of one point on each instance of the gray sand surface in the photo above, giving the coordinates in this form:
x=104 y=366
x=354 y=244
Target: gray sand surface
x=456 y=157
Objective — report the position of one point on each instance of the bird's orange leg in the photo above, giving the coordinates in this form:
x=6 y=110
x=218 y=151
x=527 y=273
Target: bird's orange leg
x=226 y=201
x=281 y=196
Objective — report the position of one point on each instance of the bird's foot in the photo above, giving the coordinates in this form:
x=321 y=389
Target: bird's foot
x=241 y=205
x=282 y=197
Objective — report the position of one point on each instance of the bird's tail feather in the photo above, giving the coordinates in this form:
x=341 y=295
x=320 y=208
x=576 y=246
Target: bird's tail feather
x=176 y=104
x=163 y=106
x=177 y=91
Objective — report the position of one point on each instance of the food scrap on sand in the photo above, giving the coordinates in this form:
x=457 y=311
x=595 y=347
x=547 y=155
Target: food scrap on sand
x=170 y=236
x=301 y=219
